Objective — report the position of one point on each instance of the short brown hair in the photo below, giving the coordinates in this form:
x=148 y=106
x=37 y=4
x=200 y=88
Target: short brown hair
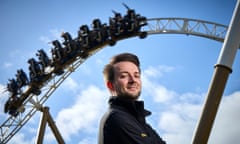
x=108 y=70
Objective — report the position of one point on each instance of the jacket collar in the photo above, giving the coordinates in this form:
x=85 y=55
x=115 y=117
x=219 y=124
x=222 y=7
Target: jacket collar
x=134 y=107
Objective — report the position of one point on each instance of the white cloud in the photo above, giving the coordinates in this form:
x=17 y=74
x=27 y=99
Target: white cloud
x=178 y=120
x=175 y=116
x=3 y=98
x=21 y=138
x=7 y=64
x=86 y=69
x=15 y=52
x=162 y=94
x=179 y=115
x=3 y=91
x=84 y=114
x=55 y=34
x=158 y=92
x=181 y=112
x=176 y=128
x=45 y=39
x=157 y=71
x=226 y=128
x=99 y=62
x=71 y=84
x=88 y=140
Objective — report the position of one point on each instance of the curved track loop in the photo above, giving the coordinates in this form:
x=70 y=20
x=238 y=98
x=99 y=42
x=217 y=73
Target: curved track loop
x=187 y=26
x=33 y=103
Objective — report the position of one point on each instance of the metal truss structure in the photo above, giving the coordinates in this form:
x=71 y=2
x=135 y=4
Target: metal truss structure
x=33 y=103
x=187 y=26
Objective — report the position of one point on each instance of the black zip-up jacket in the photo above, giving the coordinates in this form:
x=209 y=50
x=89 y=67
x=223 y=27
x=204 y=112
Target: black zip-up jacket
x=124 y=123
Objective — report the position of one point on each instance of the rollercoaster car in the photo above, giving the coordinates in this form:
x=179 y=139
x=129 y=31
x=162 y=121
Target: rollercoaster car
x=127 y=25
x=100 y=32
x=22 y=79
x=12 y=87
x=72 y=46
x=11 y=106
x=69 y=43
x=116 y=25
x=90 y=39
x=43 y=58
x=64 y=55
x=83 y=36
x=35 y=70
x=57 y=51
x=133 y=22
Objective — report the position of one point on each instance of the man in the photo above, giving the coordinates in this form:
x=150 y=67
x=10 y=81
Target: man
x=124 y=123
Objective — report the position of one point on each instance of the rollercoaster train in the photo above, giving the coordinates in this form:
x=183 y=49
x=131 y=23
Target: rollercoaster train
x=64 y=53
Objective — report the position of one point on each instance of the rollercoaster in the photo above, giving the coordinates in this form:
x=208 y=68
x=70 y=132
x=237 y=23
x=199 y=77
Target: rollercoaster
x=28 y=92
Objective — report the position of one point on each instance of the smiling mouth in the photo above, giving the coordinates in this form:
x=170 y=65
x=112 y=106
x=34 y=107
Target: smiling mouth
x=132 y=88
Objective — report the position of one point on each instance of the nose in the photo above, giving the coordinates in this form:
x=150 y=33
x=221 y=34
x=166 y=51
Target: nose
x=131 y=79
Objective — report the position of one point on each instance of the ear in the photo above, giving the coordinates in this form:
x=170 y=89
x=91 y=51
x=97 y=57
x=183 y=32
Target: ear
x=110 y=85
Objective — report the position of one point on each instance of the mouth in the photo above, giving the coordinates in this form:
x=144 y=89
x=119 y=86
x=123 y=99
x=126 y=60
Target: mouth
x=132 y=88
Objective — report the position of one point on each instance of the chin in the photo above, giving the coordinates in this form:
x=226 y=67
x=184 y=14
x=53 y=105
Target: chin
x=135 y=97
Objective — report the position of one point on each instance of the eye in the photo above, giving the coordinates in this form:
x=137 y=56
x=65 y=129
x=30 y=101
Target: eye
x=137 y=75
x=123 y=75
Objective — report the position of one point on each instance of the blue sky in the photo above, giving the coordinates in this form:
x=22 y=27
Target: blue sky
x=177 y=69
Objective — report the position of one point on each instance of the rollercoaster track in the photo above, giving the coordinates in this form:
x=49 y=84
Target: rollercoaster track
x=187 y=26
x=32 y=103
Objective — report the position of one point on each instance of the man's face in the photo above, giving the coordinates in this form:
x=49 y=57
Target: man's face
x=127 y=80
